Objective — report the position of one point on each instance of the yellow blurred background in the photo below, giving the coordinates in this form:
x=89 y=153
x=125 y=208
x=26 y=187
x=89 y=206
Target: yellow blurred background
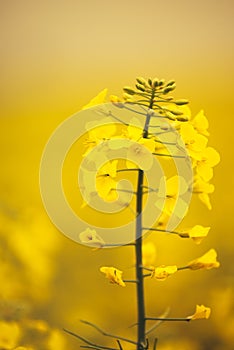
x=55 y=57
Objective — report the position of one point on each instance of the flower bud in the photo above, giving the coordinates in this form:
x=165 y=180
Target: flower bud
x=141 y=81
x=181 y=102
x=170 y=82
x=155 y=82
x=161 y=82
x=129 y=90
x=176 y=112
x=183 y=118
x=168 y=89
x=140 y=87
x=150 y=82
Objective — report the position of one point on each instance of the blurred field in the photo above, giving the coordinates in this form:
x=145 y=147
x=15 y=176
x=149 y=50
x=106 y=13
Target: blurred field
x=55 y=57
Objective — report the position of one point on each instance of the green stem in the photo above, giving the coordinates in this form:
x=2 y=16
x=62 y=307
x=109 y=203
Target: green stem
x=168 y=155
x=160 y=230
x=167 y=319
x=139 y=274
x=141 y=339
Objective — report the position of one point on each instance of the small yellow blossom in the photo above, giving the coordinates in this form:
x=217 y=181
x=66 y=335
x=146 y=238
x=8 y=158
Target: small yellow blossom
x=97 y=100
x=202 y=312
x=56 y=340
x=197 y=233
x=194 y=142
x=200 y=123
x=134 y=130
x=206 y=261
x=114 y=98
x=90 y=237
x=110 y=169
x=209 y=158
x=9 y=335
x=116 y=101
x=162 y=272
x=175 y=187
x=148 y=254
x=139 y=155
x=113 y=275
x=105 y=183
x=99 y=131
x=203 y=189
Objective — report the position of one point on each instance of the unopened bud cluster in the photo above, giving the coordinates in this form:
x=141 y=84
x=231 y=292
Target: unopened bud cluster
x=154 y=92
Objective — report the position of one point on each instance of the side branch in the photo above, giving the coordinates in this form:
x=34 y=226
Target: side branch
x=108 y=334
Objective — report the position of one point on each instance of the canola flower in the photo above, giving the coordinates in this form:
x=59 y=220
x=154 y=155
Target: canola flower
x=113 y=275
x=207 y=261
x=155 y=95
x=90 y=237
x=202 y=312
x=197 y=233
x=163 y=272
x=15 y=334
x=105 y=181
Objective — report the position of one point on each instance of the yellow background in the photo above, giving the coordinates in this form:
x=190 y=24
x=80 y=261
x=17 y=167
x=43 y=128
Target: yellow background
x=55 y=57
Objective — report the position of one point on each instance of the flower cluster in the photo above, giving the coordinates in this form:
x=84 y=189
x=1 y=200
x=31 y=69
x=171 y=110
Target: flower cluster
x=169 y=129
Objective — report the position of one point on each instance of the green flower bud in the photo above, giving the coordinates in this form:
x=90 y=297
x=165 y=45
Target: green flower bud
x=169 y=98
x=161 y=82
x=170 y=116
x=129 y=90
x=176 y=112
x=170 y=82
x=140 y=87
x=182 y=119
x=150 y=82
x=181 y=102
x=141 y=81
x=168 y=89
x=127 y=97
x=155 y=82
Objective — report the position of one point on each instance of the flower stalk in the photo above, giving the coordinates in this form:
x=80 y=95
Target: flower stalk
x=138 y=247
x=149 y=95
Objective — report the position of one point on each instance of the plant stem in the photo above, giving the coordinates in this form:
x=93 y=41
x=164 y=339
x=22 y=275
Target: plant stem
x=139 y=273
x=141 y=340
x=168 y=319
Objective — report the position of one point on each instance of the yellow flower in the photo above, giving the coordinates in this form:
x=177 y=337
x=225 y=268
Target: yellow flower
x=105 y=183
x=203 y=189
x=209 y=158
x=109 y=169
x=90 y=237
x=116 y=101
x=139 y=155
x=148 y=254
x=197 y=233
x=162 y=272
x=56 y=340
x=194 y=142
x=202 y=312
x=97 y=100
x=9 y=335
x=206 y=261
x=113 y=275
x=175 y=187
x=200 y=123
x=98 y=132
